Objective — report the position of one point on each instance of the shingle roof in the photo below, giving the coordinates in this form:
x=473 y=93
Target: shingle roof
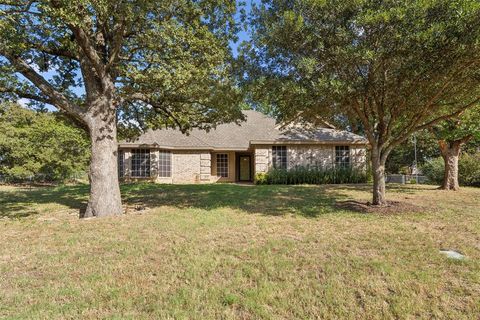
x=257 y=129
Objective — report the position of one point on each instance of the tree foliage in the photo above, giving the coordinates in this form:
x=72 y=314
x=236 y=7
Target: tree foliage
x=464 y=128
x=392 y=67
x=403 y=156
x=41 y=144
x=137 y=63
x=169 y=60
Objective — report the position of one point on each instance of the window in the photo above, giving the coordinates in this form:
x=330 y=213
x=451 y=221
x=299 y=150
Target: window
x=121 y=163
x=140 y=163
x=279 y=157
x=165 y=164
x=342 y=156
x=222 y=165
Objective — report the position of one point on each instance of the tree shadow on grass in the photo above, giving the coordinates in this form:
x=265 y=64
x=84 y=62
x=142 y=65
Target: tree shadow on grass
x=391 y=187
x=24 y=201
x=308 y=201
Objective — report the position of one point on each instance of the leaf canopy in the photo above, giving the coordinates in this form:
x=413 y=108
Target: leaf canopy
x=391 y=66
x=40 y=143
x=170 y=60
x=464 y=128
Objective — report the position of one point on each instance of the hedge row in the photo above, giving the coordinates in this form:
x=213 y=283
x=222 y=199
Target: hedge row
x=303 y=175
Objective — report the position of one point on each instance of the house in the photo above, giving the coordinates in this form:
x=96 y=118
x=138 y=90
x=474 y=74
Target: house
x=235 y=152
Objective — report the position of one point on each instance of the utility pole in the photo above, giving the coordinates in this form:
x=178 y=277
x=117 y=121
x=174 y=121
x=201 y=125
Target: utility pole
x=415 y=161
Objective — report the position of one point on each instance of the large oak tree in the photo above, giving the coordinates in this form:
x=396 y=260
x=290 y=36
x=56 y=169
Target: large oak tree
x=138 y=63
x=452 y=134
x=390 y=67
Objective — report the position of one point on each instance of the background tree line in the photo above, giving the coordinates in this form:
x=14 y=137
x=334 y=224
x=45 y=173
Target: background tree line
x=43 y=146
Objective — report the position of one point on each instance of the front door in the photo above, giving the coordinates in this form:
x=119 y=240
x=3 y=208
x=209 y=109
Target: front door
x=244 y=168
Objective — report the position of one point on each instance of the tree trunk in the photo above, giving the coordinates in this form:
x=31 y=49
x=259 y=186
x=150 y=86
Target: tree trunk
x=378 y=168
x=105 y=199
x=450 y=153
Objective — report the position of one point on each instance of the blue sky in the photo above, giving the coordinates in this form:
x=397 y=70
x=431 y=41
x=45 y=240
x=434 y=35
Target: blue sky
x=242 y=35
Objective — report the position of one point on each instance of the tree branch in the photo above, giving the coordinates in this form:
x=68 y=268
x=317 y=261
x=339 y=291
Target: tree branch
x=145 y=99
x=56 y=51
x=87 y=47
x=429 y=124
x=26 y=95
x=56 y=98
x=118 y=33
x=448 y=116
x=466 y=139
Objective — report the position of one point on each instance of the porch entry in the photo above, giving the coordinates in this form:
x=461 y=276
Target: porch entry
x=244 y=167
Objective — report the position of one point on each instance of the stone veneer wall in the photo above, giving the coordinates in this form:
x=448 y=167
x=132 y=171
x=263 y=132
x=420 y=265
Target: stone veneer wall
x=205 y=166
x=308 y=155
x=187 y=167
x=263 y=159
x=200 y=166
x=358 y=155
x=191 y=167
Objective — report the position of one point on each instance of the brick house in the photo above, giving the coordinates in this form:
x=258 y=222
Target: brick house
x=234 y=152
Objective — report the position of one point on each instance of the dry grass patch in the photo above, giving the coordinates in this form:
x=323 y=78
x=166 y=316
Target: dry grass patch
x=235 y=252
x=392 y=207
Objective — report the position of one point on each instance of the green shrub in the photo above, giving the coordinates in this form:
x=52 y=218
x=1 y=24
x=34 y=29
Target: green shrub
x=404 y=170
x=261 y=178
x=434 y=169
x=468 y=170
x=303 y=175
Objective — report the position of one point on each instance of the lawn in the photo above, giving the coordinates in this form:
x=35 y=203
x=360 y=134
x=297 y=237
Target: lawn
x=238 y=252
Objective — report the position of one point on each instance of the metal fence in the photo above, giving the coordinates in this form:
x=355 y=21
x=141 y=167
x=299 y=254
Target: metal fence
x=406 y=178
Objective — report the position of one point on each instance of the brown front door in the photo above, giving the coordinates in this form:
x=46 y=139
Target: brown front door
x=244 y=171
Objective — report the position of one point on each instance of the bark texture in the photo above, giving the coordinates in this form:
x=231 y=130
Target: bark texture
x=105 y=198
x=378 y=168
x=450 y=153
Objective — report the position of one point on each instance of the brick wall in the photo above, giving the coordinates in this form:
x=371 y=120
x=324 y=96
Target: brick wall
x=186 y=166
x=200 y=166
x=305 y=155
x=191 y=167
x=263 y=159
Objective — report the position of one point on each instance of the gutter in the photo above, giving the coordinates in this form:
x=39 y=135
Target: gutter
x=182 y=148
x=316 y=142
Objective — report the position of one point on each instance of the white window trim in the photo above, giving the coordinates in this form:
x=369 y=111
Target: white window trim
x=227 y=166
x=132 y=152
x=160 y=164
x=286 y=156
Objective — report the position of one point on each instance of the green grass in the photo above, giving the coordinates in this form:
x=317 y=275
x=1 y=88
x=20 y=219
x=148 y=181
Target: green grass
x=238 y=252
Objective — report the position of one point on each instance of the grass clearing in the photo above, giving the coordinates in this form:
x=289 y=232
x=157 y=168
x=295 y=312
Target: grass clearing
x=227 y=251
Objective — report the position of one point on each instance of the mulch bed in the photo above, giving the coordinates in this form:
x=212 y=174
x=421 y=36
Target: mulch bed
x=392 y=207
